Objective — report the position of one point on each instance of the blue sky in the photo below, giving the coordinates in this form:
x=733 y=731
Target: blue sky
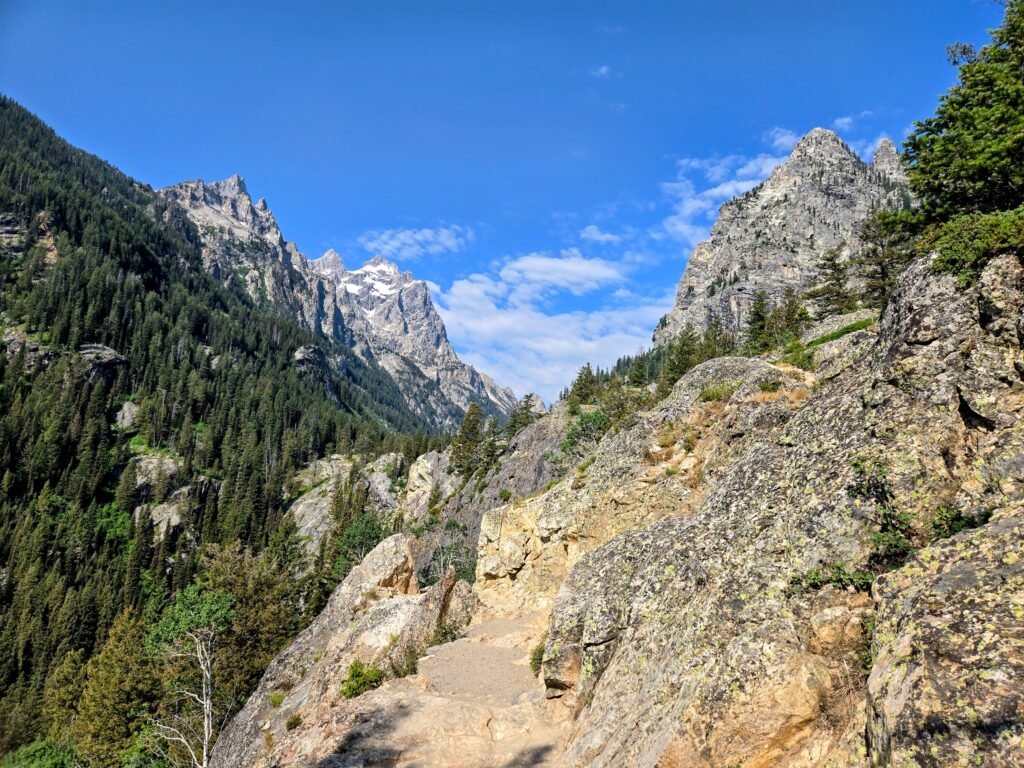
x=547 y=166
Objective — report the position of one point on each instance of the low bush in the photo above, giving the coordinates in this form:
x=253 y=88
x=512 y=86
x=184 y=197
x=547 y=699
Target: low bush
x=722 y=390
x=966 y=243
x=293 y=722
x=361 y=678
x=537 y=656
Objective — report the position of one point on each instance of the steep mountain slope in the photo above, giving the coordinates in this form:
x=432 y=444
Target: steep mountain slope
x=771 y=238
x=129 y=377
x=384 y=315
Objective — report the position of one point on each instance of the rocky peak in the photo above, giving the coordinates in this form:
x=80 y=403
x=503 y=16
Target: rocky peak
x=887 y=161
x=771 y=238
x=330 y=265
x=230 y=188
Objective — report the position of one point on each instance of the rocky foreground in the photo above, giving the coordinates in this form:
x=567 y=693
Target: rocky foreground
x=694 y=578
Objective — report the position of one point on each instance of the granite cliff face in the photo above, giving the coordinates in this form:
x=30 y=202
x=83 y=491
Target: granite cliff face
x=771 y=238
x=386 y=316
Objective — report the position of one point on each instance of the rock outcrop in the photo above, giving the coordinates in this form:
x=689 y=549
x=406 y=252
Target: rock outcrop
x=378 y=616
x=771 y=238
x=683 y=642
x=385 y=316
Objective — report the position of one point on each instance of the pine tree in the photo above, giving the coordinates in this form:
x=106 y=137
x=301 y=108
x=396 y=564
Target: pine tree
x=61 y=694
x=118 y=695
x=466 y=445
x=755 y=334
x=832 y=291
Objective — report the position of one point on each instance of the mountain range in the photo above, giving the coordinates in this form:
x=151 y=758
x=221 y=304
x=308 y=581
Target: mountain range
x=384 y=315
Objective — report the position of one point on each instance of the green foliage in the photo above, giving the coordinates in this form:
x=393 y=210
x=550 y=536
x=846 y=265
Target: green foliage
x=294 y=721
x=769 y=385
x=860 y=325
x=277 y=698
x=887 y=239
x=505 y=494
x=798 y=355
x=41 y=754
x=769 y=327
x=445 y=632
x=61 y=693
x=966 y=243
x=537 y=656
x=969 y=157
x=721 y=390
x=838 y=575
x=832 y=291
x=126 y=272
x=193 y=610
x=950 y=520
x=363 y=534
x=891 y=542
x=585 y=430
x=119 y=695
x=466 y=455
x=522 y=416
x=361 y=678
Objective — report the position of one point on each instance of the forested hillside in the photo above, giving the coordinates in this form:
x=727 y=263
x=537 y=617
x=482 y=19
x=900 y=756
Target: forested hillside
x=121 y=355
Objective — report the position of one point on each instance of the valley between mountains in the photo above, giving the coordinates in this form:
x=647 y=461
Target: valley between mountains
x=257 y=512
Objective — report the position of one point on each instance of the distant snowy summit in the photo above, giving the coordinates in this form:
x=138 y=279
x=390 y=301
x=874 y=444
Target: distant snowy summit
x=385 y=315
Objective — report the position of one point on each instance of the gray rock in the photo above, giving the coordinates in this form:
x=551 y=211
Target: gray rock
x=771 y=238
x=385 y=316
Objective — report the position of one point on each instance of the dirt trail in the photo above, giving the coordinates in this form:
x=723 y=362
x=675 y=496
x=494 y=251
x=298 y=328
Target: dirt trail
x=473 y=703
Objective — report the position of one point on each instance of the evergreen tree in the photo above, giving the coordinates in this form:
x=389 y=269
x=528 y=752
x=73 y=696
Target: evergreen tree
x=755 y=334
x=832 y=291
x=886 y=252
x=118 y=696
x=969 y=157
x=466 y=445
x=61 y=694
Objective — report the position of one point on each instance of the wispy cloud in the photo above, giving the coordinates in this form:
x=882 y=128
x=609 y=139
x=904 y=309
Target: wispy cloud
x=702 y=184
x=593 y=234
x=782 y=139
x=846 y=122
x=602 y=72
x=412 y=244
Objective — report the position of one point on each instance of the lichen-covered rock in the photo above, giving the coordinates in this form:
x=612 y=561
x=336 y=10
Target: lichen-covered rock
x=679 y=643
x=947 y=686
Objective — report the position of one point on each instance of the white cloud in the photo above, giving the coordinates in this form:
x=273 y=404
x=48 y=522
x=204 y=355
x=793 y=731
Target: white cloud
x=846 y=122
x=694 y=207
x=501 y=328
x=593 y=234
x=781 y=139
x=411 y=244
x=602 y=72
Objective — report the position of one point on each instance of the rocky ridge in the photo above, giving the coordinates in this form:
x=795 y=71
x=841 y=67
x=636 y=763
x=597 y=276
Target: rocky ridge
x=771 y=238
x=385 y=316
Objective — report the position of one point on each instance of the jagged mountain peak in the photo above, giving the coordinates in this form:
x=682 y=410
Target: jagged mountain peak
x=772 y=237
x=887 y=160
x=233 y=186
x=381 y=265
x=330 y=264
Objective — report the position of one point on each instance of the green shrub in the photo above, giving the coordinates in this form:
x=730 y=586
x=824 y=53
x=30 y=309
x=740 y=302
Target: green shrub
x=966 y=243
x=796 y=354
x=772 y=385
x=723 y=390
x=361 y=678
x=950 y=520
x=839 y=575
x=860 y=325
x=890 y=544
x=537 y=656
x=40 y=754
x=586 y=428
x=505 y=494
x=276 y=698
x=293 y=722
